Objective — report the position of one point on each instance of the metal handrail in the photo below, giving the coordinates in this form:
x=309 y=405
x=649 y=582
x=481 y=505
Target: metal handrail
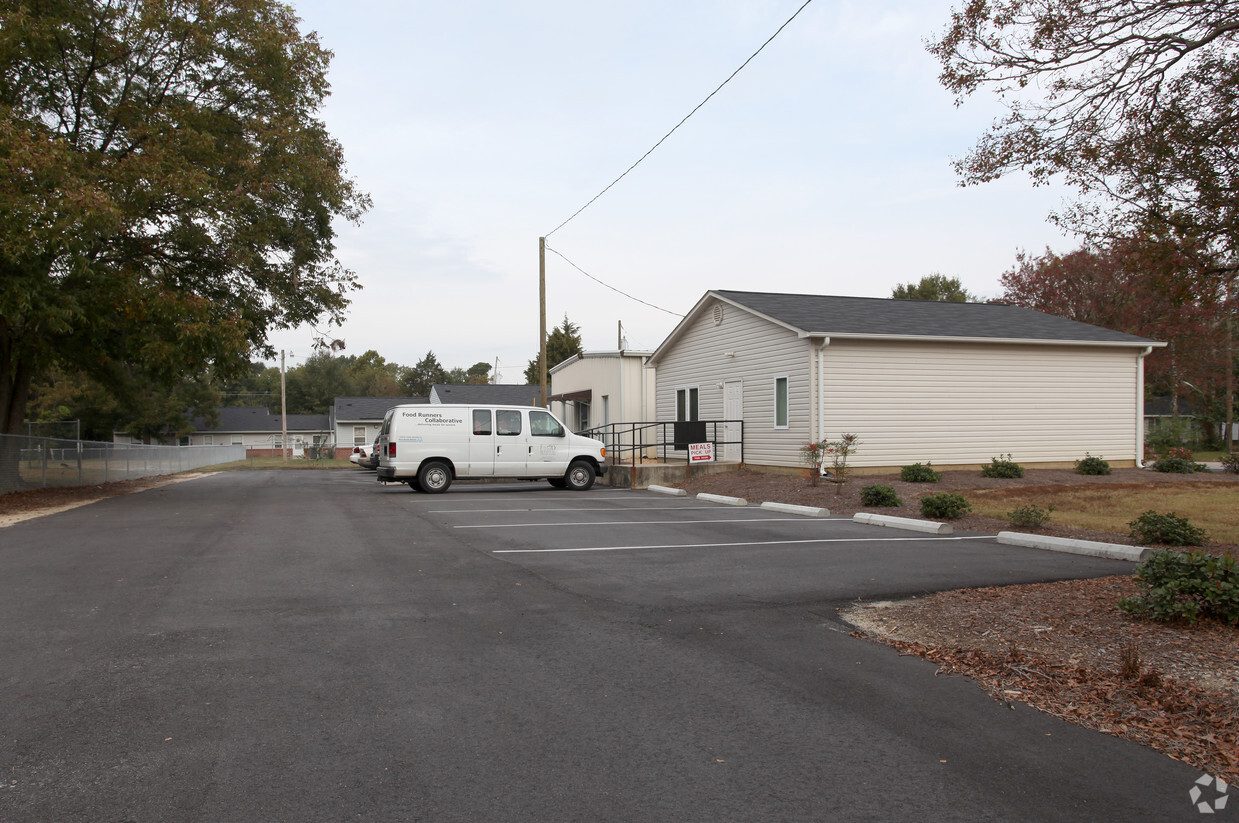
x=626 y=441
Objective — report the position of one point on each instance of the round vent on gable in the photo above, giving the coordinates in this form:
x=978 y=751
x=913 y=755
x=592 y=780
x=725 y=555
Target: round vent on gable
x=718 y=313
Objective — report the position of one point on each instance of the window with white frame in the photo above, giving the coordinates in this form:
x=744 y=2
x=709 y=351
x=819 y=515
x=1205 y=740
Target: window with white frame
x=686 y=405
x=359 y=435
x=780 y=402
x=238 y=439
x=208 y=440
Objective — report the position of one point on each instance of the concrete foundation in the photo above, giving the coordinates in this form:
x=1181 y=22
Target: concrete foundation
x=662 y=474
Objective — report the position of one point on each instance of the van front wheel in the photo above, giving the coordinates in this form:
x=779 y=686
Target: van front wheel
x=434 y=477
x=580 y=476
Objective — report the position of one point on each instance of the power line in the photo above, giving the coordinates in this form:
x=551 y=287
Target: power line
x=612 y=288
x=682 y=122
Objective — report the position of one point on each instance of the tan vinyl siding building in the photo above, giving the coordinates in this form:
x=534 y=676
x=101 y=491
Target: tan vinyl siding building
x=955 y=384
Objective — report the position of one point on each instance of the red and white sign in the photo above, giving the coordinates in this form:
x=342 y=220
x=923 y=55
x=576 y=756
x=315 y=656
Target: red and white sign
x=700 y=452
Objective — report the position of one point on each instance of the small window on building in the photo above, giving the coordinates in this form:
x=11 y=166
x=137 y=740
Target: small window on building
x=208 y=440
x=508 y=423
x=359 y=436
x=582 y=417
x=237 y=440
x=780 y=402
x=686 y=407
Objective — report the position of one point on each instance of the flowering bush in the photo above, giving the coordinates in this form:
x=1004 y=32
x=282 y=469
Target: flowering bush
x=834 y=453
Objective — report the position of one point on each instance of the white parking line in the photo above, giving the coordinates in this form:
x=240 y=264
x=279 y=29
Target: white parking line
x=728 y=545
x=653 y=523
x=573 y=509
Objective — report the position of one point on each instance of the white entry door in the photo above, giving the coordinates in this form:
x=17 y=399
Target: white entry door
x=733 y=412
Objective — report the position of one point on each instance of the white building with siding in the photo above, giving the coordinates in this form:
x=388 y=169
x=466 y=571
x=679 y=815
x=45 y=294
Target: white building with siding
x=955 y=384
x=600 y=388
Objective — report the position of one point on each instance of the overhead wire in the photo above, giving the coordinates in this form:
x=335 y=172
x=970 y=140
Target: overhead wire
x=612 y=288
x=682 y=122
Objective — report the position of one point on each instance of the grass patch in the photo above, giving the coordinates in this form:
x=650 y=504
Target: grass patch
x=1111 y=507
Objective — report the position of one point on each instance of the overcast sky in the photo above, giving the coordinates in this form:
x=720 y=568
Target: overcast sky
x=477 y=126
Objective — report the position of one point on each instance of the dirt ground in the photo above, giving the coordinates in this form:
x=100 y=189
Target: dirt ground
x=1065 y=648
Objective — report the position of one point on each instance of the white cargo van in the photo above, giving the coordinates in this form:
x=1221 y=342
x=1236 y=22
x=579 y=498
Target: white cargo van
x=429 y=446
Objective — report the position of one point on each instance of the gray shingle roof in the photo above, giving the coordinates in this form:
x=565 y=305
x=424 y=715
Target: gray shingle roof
x=237 y=419
x=488 y=394
x=369 y=408
x=822 y=314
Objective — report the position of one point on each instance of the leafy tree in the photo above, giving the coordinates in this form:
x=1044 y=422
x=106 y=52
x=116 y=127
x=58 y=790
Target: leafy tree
x=312 y=386
x=259 y=386
x=167 y=192
x=147 y=412
x=477 y=375
x=936 y=287
x=1131 y=100
x=563 y=342
x=418 y=380
x=372 y=376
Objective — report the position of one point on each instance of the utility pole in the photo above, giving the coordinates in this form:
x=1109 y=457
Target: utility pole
x=283 y=412
x=542 y=322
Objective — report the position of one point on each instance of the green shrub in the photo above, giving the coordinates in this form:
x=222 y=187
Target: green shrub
x=947 y=506
x=1230 y=462
x=1030 y=516
x=1174 y=465
x=879 y=496
x=1092 y=465
x=1003 y=467
x=1165 y=530
x=1182 y=586
x=917 y=473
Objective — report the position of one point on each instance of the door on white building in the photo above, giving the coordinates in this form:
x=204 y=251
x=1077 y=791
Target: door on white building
x=733 y=413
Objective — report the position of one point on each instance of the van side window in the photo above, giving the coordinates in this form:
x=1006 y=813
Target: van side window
x=508 y=423
x=481 y=421
x=542 y=424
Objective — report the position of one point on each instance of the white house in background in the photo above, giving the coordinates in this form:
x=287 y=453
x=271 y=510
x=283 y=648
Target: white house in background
x=599 y=388
x=261 y=430
x=355 y=421
x=952 y=383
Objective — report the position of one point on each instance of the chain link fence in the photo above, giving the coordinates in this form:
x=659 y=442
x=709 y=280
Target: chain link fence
x=42 y=462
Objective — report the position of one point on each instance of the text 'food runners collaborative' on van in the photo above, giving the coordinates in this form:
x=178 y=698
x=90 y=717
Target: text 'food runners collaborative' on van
x=430 y=446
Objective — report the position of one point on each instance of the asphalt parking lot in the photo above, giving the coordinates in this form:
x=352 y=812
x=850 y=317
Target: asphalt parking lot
x=309 y=646
x=649 y=549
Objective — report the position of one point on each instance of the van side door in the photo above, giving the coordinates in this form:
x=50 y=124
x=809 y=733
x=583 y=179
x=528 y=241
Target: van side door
x=511 y=443
x=481 y=445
